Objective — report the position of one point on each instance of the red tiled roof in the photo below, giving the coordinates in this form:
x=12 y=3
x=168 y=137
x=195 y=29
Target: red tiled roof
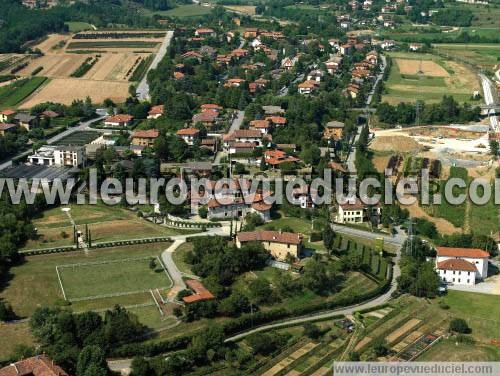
x=120 y=118
x=50 y=114
x=156 y=110
x=40 y=365
x=269 y=236
x=462 y=252
x=8 y=112
x=358 y=205
x=6 y=126
x=188 y=132
x=276 y=119
x=178 y=75
x=307 y=85
x=211 y=107
x=200 y=292
x=261 y=206
x=337 y=167
x=246 y=133
x=242 y=145
x=205 y=116
x=259 y=123
x=150 y=133
x=457 y=264
x=205 y=30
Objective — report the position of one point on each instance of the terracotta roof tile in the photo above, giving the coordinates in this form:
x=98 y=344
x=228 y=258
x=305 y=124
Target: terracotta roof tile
x=462 y=252
x=457 y=264
x=269 y=236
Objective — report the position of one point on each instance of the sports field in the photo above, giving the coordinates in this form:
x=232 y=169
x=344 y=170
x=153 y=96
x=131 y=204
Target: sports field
x=92 y=280
x=427 y=77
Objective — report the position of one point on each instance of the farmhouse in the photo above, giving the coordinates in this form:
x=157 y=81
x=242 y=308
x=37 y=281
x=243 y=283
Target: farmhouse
x=462 y=266
x=120 y=120
x=301 y=196
x=189 y=135
x=200 y=292
x=145 y=138
x=155 y=112
x=40 y=365
x=279 y=244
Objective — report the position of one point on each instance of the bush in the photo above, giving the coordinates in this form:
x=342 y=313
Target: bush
x=459 y=326
x=316 y=236
x=203 y=212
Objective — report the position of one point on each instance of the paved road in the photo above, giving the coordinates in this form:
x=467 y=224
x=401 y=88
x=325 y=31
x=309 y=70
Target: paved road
x=143 y=87
x=379 y=77
x=397 y=240
x=351 y=158
x=83 y=126
x=236 y=124
x=489 y=99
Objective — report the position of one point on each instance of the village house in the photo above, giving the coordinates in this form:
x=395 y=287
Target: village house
x=192 y=55
x=156 y=111
x=353 y=90
x=346 y=49
x=372 y=57
x=261 y=125
x=208 y=51
x=145 y=137
x=239 y=52
x=234 y=82
x=25 y=120
x=333 y=130
x=247 y=136
x=7 y=116
x=387 y=44
x=307 y=87
x=276 y=157
x=277 y=121
x=333 y=63
x=351 y=213
x=288 y=63
x=208 y=118
x=211 y=107
x=259 y=83
x=178 y=76
x=200 y=292
x=39 y=365
x=315 y=75
x=415 y=46
x=189 y=135
x=209 y=143
x=252 y=32
x=120 y=120
x=281 y=245
x=49 y=114
x=301 y=196
x=205 y=32
x=461 y=266
x=7 y=128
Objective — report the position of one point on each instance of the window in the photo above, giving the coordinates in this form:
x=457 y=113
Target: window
x=459 y=280
x=459 y=273
x=453 y=279
x=468 y=281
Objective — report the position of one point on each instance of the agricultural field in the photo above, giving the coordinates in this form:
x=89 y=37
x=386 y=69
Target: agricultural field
x=485 y=56
x=244 y=9
x=183 y=11
x=14 y=93
x=438 y=78
x=76 y=27
x=106 y=223
x=79 y=138
x=96 y=64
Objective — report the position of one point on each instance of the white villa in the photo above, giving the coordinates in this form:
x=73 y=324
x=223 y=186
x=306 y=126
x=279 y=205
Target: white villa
x=461 y=266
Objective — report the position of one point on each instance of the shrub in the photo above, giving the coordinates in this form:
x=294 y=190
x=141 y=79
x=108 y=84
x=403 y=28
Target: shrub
x=459 y=326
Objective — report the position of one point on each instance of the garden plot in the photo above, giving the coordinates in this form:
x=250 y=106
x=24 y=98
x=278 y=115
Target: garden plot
x=62 y=65
x=104 y=279
x=402 y=330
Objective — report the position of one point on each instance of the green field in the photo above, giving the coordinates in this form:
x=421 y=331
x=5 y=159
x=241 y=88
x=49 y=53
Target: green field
x=458 y=81
x=76 y=27
x=13 y=94
x=183 y=11
x=482 y=55
x=12 y=336
x=85 y=281
x=111 y=44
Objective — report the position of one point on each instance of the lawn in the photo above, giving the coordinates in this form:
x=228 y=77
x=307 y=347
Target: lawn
x=455 y=79
x=79 y=138
x=106 y=223
x=13 y=94
x=13 y=335
x=179 y=257
x=76 y=27
x=84 y=281
x=34 y=283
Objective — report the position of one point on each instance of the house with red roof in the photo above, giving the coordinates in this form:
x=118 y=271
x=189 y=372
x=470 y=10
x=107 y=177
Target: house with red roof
x=208 y=118
x=461 y=266
x=120 y=120
x=211 y=107
x=261 y=125
x=205 y=32
x=7 y=115
x=6 y=128
x=234 y=82
x=277 y=121
x=276 y=157
x=307 y=87
x=189 y=135
x=279 y=244
x=156 y=111
x=200 y=292
x=39 y=365
x=252 y=137
x=145 y=137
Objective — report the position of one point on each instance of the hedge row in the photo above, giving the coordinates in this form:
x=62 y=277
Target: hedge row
x=34 y=252
x=130 y=242
x=151 y=349
x=188 y=225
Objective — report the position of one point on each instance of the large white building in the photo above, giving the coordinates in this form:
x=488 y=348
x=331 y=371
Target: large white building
x=461 y=266
x=71 y=156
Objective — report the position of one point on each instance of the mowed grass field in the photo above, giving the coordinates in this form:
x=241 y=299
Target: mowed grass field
x=105 y=222
x=122 y=276
x=439 y=78
x=13 y=94
x=182 y=11
x=34 y=283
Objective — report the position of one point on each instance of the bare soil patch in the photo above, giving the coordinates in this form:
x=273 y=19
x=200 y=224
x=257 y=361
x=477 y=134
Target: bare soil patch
x=402 y=330
x=396 y=143
x=442 y=225
x=66 y=90
x=51 y=41
x=428 y=67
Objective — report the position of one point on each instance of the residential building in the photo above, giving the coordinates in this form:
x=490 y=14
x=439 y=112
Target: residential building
x=205 y=32
x=208 y=118
x=211 y=107
x=7 y=115
x=251 y=32
x=247 y=136
x=277 y=121
x=301 y=196
x=64 y=155
x=238 y=207
x=145 y=137
x=333 y=130
x=415 y=46
x=280 y=245
x=200 y=292
x=25 y=120
x=462 y=266
x=234 y=82
x=120 y=120
x=156 y=111
x=275 y=158
x=307 y=87
x=39 y=365
x=189 y=135
x=261 y=125
x=315 y=75
x=351 y=213
x=387 y=44
x=7 y=128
